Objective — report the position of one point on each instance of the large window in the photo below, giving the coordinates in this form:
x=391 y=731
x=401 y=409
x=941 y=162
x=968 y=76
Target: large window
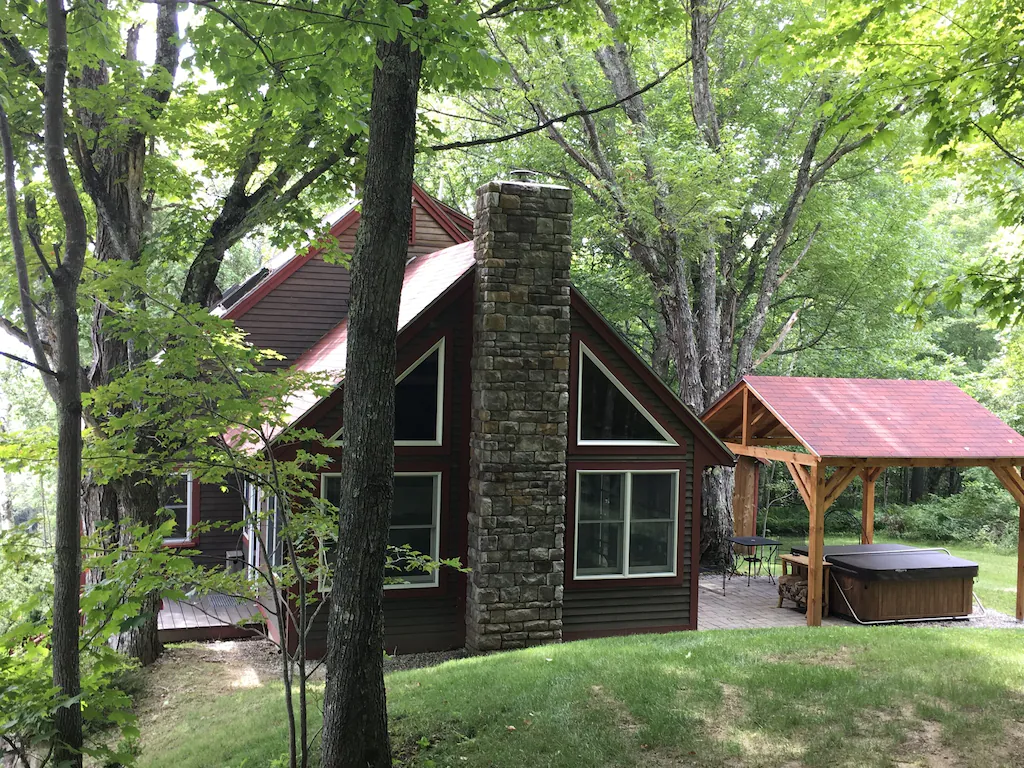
x=607 y=414
x=176 y=497
x=419 y=401
x=415 y=521
x=263 y=516
x=626 y=523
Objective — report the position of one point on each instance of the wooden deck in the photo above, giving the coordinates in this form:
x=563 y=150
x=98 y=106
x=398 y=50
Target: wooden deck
x=207 y=617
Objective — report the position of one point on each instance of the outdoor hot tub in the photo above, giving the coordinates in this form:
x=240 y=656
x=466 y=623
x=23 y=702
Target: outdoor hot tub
x=894 y=582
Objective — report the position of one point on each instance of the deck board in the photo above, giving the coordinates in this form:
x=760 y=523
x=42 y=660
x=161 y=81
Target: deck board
x=206 y=617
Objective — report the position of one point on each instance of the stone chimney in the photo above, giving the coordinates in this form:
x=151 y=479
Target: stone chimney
x=520 y=403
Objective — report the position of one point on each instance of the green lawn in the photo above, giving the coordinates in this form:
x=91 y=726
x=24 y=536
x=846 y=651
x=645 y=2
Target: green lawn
x=851 y=696
x=996 y=585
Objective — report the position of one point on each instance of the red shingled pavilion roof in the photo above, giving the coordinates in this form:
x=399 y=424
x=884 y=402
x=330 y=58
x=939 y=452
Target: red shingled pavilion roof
x=881 y=418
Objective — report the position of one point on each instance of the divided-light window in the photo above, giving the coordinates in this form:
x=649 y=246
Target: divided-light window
x=626 y=523
x=176 y=496
x=607 y=414
x=415 y=521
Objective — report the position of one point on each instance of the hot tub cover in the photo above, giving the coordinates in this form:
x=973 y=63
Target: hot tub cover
x=851 y=549
x=895 y=562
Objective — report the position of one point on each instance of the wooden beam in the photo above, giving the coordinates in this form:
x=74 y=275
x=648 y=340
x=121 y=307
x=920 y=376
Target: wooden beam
x=745 y=425
x=867 y=508
x=838 y=483
x=802 y=480
x=866 y=463
x=1014 y=483
x=1020 y=565
x=816 y=546
x=772 y=454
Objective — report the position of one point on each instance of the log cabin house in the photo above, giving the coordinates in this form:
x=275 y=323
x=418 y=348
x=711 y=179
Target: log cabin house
x=531 y=441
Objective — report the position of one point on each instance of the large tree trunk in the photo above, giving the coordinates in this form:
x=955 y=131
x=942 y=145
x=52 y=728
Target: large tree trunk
x=355 y=731
x=138 y=502
x=67 y=392
x=67 y=564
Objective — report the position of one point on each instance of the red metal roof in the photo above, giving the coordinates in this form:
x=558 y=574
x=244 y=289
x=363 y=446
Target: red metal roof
x=884 y=418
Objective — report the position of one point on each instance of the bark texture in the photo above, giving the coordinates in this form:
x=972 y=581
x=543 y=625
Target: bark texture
x=355 y=731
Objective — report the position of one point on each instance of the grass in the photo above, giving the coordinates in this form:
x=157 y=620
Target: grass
x=996 y=585
x=856 y=696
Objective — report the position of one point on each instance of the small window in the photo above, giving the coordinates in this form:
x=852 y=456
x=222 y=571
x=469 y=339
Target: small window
x=418 y=400
x=270 y=519
x=626 y=524
x=608 y=414
x=176 y=497
x=263 y=514
x=415 y=520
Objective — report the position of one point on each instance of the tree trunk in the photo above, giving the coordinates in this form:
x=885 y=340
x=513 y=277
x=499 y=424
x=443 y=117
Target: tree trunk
x=67 y=393
x=138 y=504
x=918 y=483
x=355 y=730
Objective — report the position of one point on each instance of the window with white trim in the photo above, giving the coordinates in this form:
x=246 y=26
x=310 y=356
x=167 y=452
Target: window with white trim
x=270 y=518
x=419 y=401
x=263 y=517
x=627 y=523
x=607 y=413
x=176 y=497
x=415 y=521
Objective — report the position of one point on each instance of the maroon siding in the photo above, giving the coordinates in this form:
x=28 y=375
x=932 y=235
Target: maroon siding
x=222 y=509
x=314 y=299
x=595 y=607
x=430 y=619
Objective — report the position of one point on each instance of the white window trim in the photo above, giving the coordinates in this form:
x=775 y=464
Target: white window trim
x=252 y=549
x=188 y=538
x=627 y=520
x=439 y=347
x=435 y=543
x=584 y=350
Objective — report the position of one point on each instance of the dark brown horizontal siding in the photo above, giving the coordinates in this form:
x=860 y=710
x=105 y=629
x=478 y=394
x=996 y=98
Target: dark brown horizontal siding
x=598 y=611
x=296 y=314
x=313 y=300
x=224 y=510
x=417 y=620
x=619 y=607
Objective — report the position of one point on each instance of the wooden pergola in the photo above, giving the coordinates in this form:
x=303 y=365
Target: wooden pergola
x=830 y=431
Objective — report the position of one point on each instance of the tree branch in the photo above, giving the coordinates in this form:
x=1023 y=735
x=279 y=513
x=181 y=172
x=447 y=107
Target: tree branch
x=22 y=59
x=562 y=118
x=1014 y=158
x=31 y=332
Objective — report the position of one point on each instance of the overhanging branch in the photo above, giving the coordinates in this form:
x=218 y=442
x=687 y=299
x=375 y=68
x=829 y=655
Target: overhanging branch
x=562 y=118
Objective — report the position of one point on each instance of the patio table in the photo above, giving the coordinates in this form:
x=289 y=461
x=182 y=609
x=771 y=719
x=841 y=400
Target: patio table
x=756 y=556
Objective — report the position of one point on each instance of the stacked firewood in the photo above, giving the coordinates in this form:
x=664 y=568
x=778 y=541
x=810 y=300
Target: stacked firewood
x=793 y=588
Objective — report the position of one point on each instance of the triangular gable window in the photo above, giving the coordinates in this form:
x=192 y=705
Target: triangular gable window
x=419 y=401
x=607 y=413
x=419 y=395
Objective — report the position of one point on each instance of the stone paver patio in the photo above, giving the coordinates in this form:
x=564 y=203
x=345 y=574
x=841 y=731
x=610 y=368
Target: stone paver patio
x=753 y=607
x=743 y=607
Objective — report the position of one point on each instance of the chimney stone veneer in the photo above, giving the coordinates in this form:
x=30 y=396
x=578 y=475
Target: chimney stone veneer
x=520 y=403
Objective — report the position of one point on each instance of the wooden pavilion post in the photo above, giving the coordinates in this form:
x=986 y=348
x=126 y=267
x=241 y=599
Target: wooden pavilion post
x=1020 y=565
x=1011 y=479
x=867 y=511
x=815 y=544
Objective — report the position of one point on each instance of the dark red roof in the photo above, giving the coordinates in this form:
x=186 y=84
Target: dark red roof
x=883 y=418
